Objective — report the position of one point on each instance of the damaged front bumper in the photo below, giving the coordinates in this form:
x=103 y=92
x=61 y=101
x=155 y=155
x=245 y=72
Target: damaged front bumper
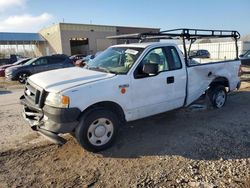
x=50 y=121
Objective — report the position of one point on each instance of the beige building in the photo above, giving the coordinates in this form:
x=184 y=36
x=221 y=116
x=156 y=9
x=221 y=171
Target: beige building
x=85 y=39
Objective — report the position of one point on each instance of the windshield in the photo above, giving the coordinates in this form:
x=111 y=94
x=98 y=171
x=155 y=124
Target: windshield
x=247 y=54
x=30 y=61
x=16 y=63
x=20 y=61
x=116 y=60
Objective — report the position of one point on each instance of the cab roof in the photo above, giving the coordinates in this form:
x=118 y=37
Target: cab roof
x=145 y=44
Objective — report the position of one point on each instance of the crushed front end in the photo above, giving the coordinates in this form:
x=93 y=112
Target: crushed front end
x=47 y=120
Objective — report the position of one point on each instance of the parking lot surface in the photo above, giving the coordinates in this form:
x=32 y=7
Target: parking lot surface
x=182 y=148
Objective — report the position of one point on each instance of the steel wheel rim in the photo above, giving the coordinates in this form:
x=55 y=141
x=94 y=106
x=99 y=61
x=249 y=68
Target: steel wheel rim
x=220 y=99
x=100 y=131
x=23 y=77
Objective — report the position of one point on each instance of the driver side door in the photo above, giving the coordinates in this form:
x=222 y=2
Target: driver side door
x=40 y=65
x=153 y=94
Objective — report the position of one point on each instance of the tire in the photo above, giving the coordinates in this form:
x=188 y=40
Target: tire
x=22 y=77
x=217 y=96
x=97 y=130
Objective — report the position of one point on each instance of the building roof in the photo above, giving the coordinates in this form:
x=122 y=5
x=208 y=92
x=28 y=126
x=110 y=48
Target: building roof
x=89 y=26
x=109 y=26
x=18 y=37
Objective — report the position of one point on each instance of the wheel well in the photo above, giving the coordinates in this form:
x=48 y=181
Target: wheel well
x=21 y=72
x=220 y=81
x=16 y=77
x=114 y=107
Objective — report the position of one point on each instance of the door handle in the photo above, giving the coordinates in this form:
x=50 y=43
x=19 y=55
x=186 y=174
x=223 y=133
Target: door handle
x=170 y=80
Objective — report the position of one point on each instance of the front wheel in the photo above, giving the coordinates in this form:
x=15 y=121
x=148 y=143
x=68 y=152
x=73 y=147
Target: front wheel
x=217 y=96
x=97 y=130
x=22 y=77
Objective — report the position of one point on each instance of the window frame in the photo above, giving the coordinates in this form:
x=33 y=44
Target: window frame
x=140 y=51
x=42 y=58
x=168 y=56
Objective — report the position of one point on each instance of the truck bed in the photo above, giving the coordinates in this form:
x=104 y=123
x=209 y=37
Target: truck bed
x=201 y=75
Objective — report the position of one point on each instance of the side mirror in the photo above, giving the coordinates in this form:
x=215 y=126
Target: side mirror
x=242 y=55
x=150 y=68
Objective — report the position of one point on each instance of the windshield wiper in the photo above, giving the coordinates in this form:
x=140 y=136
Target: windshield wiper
x=102 y=69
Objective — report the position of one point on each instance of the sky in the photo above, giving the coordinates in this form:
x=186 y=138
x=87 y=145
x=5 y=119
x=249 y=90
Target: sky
x=33 y=15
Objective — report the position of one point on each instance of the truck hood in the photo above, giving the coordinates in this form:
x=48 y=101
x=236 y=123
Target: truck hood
x=58 y=80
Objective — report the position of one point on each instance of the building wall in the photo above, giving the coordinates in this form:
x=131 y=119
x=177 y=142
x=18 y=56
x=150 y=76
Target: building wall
x=52 y=35
x=58 y=37
x=40 y=49
x=132 y=30
x=245 y=47
x=96 y=36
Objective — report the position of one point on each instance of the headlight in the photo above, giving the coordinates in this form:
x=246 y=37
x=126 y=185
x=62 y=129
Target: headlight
x=11 y=69
x=57 y=100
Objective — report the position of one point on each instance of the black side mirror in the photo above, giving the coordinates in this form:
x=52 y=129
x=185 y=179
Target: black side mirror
x=150 y=68
x=241 y=55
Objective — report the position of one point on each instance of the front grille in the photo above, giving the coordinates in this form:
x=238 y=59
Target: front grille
x=34 y=95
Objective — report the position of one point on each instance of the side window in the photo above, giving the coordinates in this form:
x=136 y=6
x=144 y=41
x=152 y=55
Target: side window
x=156 y=56
x=42 y=61
x=57 y=60
x=173 y=58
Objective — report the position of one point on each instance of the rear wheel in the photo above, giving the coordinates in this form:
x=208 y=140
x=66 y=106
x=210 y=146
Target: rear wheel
x=97 y=130
x=217 y=96
x=22 y=77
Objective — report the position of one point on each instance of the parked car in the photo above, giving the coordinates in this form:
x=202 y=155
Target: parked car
x=11 y=59
x=19 y=62
x=199 y=54
x=85 y=60
x=124 y=83
x=98 y=53
x=80 y=63
x=76 y=57
x=36 y=65
x=245 y=58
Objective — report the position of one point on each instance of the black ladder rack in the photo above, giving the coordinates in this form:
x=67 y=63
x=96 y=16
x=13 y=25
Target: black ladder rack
x=179 y=33
x=184 y=34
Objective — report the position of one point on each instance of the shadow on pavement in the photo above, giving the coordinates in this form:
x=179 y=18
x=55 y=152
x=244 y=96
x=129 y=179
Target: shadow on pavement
x=205 y=135
x=2 y=92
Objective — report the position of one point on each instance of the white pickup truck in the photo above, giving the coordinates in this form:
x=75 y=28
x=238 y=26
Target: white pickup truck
x=124 y=83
